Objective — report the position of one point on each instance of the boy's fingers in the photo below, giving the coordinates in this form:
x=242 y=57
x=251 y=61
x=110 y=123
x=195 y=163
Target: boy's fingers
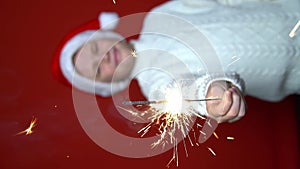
x=241 y=114
x=242 y=109
x=235 y=108
x=226 y=103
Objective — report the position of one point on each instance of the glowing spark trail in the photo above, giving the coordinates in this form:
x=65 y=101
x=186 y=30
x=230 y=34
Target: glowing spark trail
x=29 y=129
x=293 y=31
x=230 y=138
x=202 y=133
x=211 y=151
x=169 y=119
x=114 y=1
x=235 y=59
x=208 y=122
x=215 y=134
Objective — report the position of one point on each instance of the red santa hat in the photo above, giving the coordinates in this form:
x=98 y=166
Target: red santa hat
x=63 y=66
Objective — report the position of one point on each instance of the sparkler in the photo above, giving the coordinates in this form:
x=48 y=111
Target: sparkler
x=293 y=31
x=166 y=101
x=143 y=102
x=29 y=129
x=169 y=120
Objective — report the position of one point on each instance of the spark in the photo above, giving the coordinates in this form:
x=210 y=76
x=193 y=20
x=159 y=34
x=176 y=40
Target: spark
x=168 y=165
x=176 y=152
x=135 y=114
x=293 y=31
x=202 y=133
x=175 y=155
x=208 y=122
x=235 y=59
x=133 y=53
x=230 y=138
x=211 y=151
x=114 y=1
x=201 y=117
x=215 y=134
x=169 y=120
x=29 y=129
x=170 y=117
x=185 y=150
x=145 y=130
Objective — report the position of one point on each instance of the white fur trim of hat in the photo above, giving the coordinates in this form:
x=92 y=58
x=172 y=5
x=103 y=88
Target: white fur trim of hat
x=107 y=21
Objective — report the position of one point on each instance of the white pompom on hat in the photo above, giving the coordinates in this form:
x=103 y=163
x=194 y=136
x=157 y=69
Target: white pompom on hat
x=107 y=21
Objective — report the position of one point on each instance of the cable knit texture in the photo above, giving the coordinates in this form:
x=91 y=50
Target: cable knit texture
x=250 y=39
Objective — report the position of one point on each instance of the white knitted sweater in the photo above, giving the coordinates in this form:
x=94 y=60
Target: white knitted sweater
x=248 y=40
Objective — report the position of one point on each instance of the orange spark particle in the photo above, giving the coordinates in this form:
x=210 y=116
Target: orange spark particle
x=211 y=151
x=29 y=129
x=293 y=31
x=215 y=134
x=230 y=138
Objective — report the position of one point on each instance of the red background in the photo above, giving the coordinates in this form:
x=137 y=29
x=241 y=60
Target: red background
x=30 y=34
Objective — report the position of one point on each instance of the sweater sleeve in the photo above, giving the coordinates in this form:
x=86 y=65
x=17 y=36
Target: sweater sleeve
x=202 y=84
x=160 y=86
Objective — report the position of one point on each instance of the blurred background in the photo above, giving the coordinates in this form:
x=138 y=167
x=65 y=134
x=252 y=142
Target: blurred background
x=31 y=32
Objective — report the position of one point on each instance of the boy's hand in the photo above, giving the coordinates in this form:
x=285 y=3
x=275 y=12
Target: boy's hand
x=232 y=105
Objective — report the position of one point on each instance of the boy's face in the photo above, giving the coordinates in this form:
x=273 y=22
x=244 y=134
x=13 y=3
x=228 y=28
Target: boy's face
x=99 y=59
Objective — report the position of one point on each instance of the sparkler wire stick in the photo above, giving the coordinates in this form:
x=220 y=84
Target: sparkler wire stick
x=201 y=100
x=143 y=102
x=165 y=101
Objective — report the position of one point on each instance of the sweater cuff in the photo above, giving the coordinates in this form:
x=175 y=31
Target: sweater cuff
x=204 y=82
